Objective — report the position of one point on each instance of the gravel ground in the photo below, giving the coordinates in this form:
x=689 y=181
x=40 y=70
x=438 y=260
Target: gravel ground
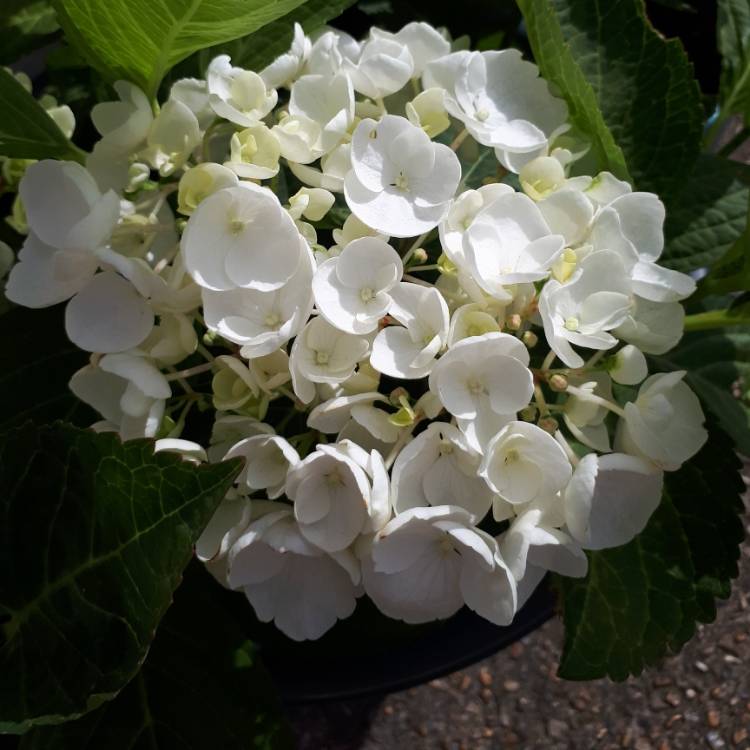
x=698 y=699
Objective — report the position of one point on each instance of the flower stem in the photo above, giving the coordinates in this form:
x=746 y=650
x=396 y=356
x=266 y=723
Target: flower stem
x=718 y=319
x=585 y=395
x=197 y=370
x=459 y=139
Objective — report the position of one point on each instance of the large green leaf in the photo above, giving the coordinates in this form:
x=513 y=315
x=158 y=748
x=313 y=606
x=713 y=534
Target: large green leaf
x=641 y=601
x=94 y=535
x=24 y=26
x=709 y=216
x=716 y=362
x=202 y=686
x=731 y=273
x=627 y=87
x=140 y=40
x=255 y=51
x=733 y=38
x=26 y=130
x=36 y=362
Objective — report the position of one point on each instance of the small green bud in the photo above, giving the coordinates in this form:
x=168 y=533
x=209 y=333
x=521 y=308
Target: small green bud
x=530 y=339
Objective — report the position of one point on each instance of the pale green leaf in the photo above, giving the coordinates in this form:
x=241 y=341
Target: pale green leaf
x=140 y=40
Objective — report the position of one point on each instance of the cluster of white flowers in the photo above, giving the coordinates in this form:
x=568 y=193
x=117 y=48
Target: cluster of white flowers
x=440 y=392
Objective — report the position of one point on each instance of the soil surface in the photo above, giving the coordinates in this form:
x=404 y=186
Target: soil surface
x=697 y=699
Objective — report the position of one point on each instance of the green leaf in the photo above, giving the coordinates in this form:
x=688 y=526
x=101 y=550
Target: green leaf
x=641 y=601
x=94 y=535
x=26 y=130
x=732 y=271
x=627 y=87
x=25 y=25
x=716 y=362
x=202 y=686
x=140 y=40
x=33 y=377
x=709 y=216
x=255 y=51
x=733 y=38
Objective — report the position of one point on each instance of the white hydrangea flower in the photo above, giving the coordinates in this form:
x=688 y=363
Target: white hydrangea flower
x=286 y=68
x=653 y=327
x=323 y=354
x=462 y=212
x=241 y=237
x=499 y=97
x=509 y=242
x=268 y=460
x=384 y=65
x=200 y=181
x=171 y=340
x=583 y=311
x=172 y=137
x=352 y=290
x=108 y=315
x=260 y=322
x=583 y=416
x=193 y=93
x=290 y=581
x=610 y=499
x=424 y=42
x=439 y=467
x=530 y=540
x=401 y=182
x=632 y=225
x=409 y=351
x=123 y=124
x=427 y=111
x=127 y=390
x=665 y=422
x=428 y=562
x=523 y=463
x=329 y=50
x=333 y=169
x=483 y=374
x=254 y=153
x=323 y=109
x=240 y=96
x=628 y=366
x=229 y=429
x=339 y=491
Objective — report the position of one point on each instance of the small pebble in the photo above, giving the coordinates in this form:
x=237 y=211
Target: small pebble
x=485 y=677
x=690 y=693
x=713 y=718
x=672 y=720
x=643 y=744
x=714 y=741
x=673 y=699
x=465 y=682
x=511 y=686
x=701 y=666
x=557 y=729
x=739 y=736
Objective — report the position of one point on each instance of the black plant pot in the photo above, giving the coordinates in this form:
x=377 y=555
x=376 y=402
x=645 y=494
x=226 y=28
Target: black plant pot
x=369 y=654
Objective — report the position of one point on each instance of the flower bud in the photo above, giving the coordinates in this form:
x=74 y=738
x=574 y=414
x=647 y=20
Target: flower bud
x=541 y=176
x=420 y=255
x=558 y=383
x=201 y=181
x=233 y=385
x=514 y=322
x=530 y=339
x=529 y=413
x=549 y=424
x=427 y=111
